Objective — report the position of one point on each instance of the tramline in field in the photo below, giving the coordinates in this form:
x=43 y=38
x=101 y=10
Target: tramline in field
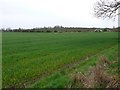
x=31 y=57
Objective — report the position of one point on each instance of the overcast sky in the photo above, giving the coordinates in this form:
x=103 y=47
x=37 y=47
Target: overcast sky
x=40 y=13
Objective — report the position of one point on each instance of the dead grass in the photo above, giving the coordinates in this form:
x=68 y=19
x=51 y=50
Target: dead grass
x=97 y=77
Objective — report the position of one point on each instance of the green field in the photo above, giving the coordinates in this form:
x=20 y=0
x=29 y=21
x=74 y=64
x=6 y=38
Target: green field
x=47 y=59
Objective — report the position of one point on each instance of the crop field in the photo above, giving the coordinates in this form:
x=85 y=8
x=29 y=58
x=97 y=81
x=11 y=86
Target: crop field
x=47 y=59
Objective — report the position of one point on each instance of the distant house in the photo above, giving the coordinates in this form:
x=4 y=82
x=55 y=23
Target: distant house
x=98 y=30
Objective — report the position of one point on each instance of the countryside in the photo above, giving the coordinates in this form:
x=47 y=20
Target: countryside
x=49 y=59
x=60 y=56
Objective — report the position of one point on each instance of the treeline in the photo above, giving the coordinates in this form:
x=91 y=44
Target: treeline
x=58 y=29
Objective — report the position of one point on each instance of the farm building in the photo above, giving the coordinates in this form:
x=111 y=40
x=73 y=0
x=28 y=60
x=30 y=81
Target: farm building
x=98 y=30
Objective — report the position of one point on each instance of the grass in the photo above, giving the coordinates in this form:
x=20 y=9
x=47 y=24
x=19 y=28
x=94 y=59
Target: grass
x=83 y=67
x=30 y=56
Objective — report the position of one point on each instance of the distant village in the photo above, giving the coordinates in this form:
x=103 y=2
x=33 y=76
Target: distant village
x=61 y=29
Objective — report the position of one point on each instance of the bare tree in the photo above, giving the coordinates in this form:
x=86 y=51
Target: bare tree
x=107 y=8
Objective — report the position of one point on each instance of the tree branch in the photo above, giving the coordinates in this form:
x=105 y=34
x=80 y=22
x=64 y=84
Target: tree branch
x=106 y=8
